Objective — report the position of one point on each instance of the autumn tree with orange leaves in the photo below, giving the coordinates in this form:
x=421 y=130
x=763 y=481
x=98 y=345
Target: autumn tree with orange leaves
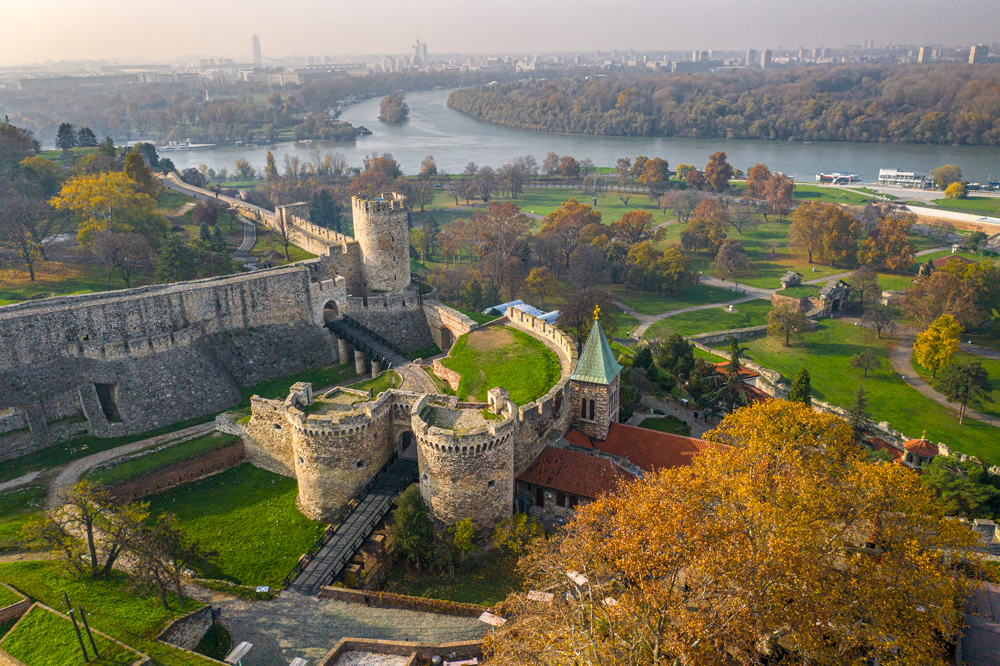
x=781 y=545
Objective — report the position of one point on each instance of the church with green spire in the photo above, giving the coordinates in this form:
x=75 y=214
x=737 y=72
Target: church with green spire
x=595 y=384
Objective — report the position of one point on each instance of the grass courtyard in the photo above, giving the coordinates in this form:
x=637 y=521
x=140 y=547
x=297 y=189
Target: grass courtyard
x=485 y=583
x=43 y=638
x=669 y=424
x=751 y=313
x=17 y=508
x=506 y=357
x=826 y=353
x=652 y=303
x=991 y=405
x=249 y=516
x=112 y=607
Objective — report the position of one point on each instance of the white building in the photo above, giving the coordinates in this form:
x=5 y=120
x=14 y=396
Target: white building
x=899 y=178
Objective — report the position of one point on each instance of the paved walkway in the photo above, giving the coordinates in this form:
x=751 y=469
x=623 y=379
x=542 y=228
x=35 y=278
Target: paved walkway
x=300 y=625
x=72 y=472
x=249 y=240
x=19 y=481
x=841 y=276
x=901 y=363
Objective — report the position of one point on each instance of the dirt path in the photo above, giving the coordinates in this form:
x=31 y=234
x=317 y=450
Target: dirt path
x=72 y=472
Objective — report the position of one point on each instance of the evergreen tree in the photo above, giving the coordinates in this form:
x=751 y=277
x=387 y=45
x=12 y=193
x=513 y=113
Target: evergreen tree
x=857 y=414
x=205 y=232
x=107 y=148
x=86 y=138
x=175 y=261
x=474 y=295
x=413 y=531
x=643 y=359
x=66 y=137
x=218 y=240
x=676 y=355
x=491 y=296
x=801 y=390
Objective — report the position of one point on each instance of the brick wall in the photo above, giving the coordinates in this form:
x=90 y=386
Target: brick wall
x=16 y=609
x=391 y=600
x=182 y=471
x=447 y=374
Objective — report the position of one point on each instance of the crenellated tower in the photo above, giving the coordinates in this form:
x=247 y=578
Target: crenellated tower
x=380 y=227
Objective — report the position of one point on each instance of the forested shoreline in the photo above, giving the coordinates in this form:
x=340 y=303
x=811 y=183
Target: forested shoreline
x=943 y=104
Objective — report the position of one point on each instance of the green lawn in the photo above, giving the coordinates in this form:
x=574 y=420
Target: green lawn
x=477 y=317
x=711 y=358
x=43 y=638
x=485 y=584
x=149 y=462
x=267 y=240
x=992 y=403
x=948 y=253
x=651 y=303
x=751 y=313
x=55 y=278
x=17 y=508
x=888 y=281
x=502 y=356
x=380 y=383
x=112 y=606
x=170 y=201
x=801 y=291
x=974 y=205
x=7 y=597
x=319 y=378
x=249 y=516
x=670 y=424
x=826 y=353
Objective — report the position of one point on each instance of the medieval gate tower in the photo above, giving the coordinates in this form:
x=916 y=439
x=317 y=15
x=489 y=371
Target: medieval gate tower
x=380 y=227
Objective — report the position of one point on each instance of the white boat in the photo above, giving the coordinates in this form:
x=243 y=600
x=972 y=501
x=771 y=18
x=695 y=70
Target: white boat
x=835 y=178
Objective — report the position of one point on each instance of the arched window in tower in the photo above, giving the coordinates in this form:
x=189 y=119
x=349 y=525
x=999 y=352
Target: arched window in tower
x=591 y=410
x=583 y=408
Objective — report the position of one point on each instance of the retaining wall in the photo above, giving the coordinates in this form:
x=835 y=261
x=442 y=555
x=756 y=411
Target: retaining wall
x=180 y=472
x=417 y=652
x=16 y=609
x=188 y=630
x=721 y=336
x=392 y=600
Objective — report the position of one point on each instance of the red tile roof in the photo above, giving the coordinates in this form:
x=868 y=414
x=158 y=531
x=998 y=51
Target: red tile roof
x=943 y=261
x=745 y=373
x=877 y=444
x=577 y=438
x=651 y=450
x=574 y=472
x=921 y=447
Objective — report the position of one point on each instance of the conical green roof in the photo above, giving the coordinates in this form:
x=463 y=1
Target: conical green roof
x=597 y=364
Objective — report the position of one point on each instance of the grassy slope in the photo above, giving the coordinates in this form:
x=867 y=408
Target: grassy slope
x=651 y=303
x=751 y=313
x=45 y=639
x=380 y=383
x=144 y=464
x=112 y=606
x=249 y=516
x=827 y=352
x=526 y=367
x=17 y=508
x=7 y=597
x=973 y=204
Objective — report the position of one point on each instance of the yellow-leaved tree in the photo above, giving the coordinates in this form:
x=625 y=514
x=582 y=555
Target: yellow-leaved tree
x=781 y=544
x=934 y=347
x=110 y=201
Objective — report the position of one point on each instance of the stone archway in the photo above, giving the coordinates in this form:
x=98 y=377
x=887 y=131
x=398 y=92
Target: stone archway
x=407 y=445
x=331 y=311
x=446 y=339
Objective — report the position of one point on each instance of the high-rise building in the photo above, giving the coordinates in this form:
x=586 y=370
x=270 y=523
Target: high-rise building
x=979 y=54
x=420 y=52
x=924 y=56
x=751 y=58
x=387 y=64
x=765 y=59
x=256 y=57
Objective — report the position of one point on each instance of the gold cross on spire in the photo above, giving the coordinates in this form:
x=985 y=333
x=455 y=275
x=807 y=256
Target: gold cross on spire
x=597 y=312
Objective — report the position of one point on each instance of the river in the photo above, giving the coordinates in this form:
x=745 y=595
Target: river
x=455 y=139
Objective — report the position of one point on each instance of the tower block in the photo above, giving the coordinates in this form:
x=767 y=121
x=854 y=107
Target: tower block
x=381 y=230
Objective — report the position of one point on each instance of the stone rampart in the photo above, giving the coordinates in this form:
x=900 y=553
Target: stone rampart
x=447 y=374
x=391 y=600
x=182 y=471
x=16 y=609
x=446 y=324
x=123 y=362
x=563 y=344
x=721 y=336
x=380 y=226
x=399 y=318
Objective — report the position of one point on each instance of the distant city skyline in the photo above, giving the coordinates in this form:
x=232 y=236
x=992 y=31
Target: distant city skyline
x=52 y=30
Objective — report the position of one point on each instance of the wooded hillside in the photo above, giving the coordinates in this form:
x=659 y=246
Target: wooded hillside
x=889 y=103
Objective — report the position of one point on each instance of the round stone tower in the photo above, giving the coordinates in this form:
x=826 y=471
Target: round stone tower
x=381 y=230
x=466 y=462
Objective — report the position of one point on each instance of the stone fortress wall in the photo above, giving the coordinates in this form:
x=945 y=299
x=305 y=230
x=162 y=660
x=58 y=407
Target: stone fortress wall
x=382 y=230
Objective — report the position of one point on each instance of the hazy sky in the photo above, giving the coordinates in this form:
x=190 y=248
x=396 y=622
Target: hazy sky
x=39 y=30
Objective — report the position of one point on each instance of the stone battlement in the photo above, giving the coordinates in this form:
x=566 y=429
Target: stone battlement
x=387 y=202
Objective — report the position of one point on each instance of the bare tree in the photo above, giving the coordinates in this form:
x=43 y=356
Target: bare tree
x=24 y=225
x=485 y=183
x=127 y=252
x=882 y=319
x=592 y=186
x=743 y=215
